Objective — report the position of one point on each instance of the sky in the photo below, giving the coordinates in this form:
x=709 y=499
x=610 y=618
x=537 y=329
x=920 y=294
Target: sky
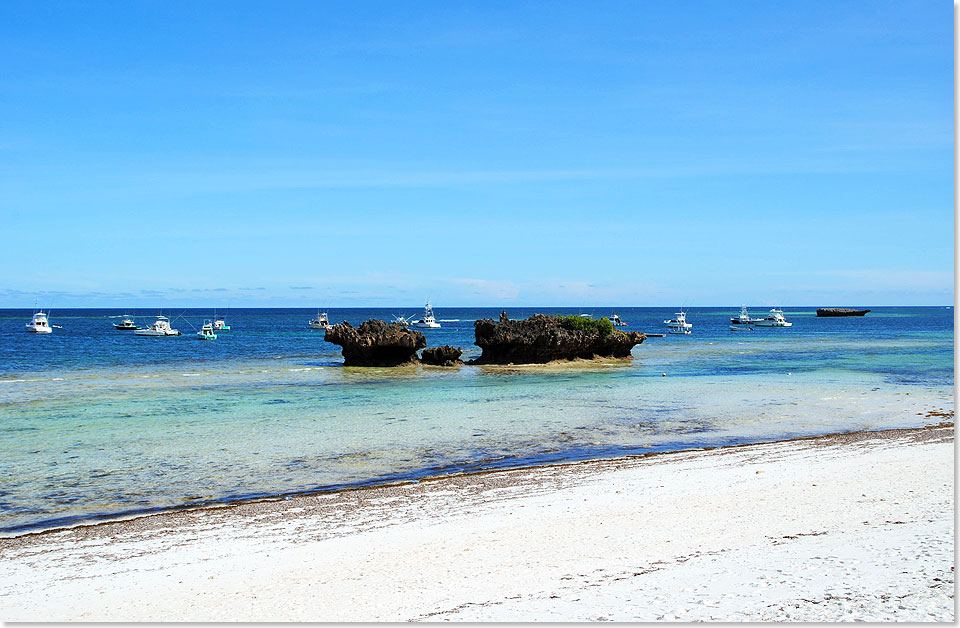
x=322 y=154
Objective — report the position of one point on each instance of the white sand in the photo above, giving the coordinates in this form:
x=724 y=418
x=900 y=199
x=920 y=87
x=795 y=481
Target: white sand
x=839 y=528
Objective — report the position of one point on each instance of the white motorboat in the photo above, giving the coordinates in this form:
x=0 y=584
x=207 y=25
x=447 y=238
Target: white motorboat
x=428 y=321
x=397 y=318
x=773 y=319
x=160 y=327
x=740 y=328
x=206 y=331
x=615 y=319
x=679 y=324
x=39 y=324
x=320 y=322
x=126 y=324
x=219 y=324
x=743 y=319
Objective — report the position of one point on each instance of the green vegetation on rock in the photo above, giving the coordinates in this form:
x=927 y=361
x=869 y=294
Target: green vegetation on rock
x=579 y=323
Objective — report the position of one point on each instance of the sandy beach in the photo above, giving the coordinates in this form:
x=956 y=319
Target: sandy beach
x=847 y=527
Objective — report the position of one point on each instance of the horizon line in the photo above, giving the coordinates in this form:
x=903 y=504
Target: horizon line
x=375 y=307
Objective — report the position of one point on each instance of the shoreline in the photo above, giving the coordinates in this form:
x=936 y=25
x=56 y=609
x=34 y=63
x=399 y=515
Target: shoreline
x=365 y=485
x=842 y=519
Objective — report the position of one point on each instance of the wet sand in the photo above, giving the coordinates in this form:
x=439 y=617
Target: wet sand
x=843 y=527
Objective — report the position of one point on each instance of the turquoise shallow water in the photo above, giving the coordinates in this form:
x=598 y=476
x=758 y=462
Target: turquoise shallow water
x=96 y=422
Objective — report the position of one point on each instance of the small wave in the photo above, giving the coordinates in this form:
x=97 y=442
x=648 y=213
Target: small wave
x=191 y=374
x=37 y=380
x=449 y=320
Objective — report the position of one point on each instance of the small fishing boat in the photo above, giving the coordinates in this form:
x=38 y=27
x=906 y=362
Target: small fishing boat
x=39 y=324
x=320 y=322
x=773 y=319
x=206 y=331
x=160 y=327
x=126 y=324
x=397 y=318
x=743 y=319
x=740 y=328
x=428 y=321
x=615 y=319
x=679 y=324
x=219 y=323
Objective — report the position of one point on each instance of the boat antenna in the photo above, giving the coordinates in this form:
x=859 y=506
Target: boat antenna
x=181 y=316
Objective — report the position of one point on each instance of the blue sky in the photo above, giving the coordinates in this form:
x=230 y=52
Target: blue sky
x=496 y=153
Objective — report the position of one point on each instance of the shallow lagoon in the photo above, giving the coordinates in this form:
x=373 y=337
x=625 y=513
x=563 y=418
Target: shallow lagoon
x=97 y=422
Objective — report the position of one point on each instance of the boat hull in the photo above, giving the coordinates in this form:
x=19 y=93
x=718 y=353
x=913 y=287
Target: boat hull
x=839 y=311
x=39 y=330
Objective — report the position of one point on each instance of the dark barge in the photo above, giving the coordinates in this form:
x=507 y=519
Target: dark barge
x=840 y=311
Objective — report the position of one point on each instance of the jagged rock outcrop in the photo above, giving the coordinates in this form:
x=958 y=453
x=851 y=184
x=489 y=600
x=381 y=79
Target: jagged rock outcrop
x=444 y=355
x=541 y=339
x=840 y=311
x=376 y=343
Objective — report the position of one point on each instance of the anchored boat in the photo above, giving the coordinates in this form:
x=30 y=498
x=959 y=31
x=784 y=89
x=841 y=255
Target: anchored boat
x=840 y=311
x=206 y=331
x=679 y=324
x=39 y=324
x=743 y=319
x=428 y=321
x=126 y=324
x=320 y=322
x=773 y=319
x=219 y=323
x=160 y=327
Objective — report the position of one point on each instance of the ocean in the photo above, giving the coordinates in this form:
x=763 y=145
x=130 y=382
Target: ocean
x=98 y=423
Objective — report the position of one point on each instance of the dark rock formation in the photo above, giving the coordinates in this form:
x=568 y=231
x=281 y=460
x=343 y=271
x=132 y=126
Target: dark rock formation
x=376 y=343
x=444 y=355
x=840 y=311
x=541 y=339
